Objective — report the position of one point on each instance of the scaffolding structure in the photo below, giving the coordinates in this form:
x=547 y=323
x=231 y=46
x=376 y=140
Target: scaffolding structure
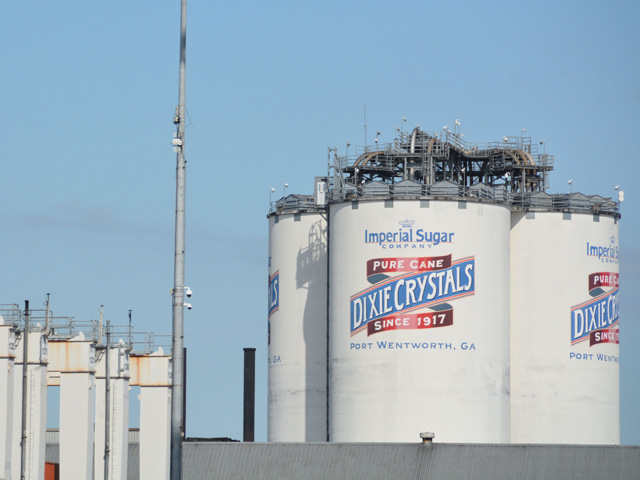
x=443 y=164
x=429 y=158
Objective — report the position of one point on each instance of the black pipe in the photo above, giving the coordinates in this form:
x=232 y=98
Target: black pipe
x=249 y=394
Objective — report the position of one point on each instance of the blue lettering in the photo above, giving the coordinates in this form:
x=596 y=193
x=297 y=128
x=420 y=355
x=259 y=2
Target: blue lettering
x=274 y=296
x=602 y=311
x=395 y=296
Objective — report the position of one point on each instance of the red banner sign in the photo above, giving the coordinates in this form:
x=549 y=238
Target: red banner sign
x=603 y=279
x=377 y=268
x=411 y=321
x=606 y=335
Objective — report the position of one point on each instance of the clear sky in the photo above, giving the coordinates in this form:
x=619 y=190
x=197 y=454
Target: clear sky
x=88 y=184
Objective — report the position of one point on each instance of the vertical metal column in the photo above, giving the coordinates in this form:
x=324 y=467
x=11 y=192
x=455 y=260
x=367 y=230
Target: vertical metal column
x=74 y=359
x=107 y=398
x=177 y=344
x=249 y=394
x=7 y=372
x=151 y=372
x=25 y=383
x=328 y=356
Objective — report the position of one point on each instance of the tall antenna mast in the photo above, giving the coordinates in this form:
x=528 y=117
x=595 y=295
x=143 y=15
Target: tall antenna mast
x=365 y=126
x=177 y=344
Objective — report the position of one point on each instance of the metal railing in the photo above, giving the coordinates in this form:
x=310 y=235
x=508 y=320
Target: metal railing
x=294 y=203
x=575 y=201
x=11 y=313
x=65 y=328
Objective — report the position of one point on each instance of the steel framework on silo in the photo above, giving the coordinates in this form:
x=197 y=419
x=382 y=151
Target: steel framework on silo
x=429 y=158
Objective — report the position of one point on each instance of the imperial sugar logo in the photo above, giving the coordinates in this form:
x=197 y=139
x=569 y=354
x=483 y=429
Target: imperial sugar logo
x=407 y=236
x=597 y=319
x=604 y=253
x=420 y=283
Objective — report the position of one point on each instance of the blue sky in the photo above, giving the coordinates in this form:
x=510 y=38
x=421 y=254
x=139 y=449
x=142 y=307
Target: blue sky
x=89 y=90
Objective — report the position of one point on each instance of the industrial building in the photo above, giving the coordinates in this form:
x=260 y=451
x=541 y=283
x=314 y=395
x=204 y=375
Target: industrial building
x=94 y=366
x=432 y=284
x=427 y=285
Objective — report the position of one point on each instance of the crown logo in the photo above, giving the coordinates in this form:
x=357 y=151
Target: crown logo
x=406 y=223
x=613 y=239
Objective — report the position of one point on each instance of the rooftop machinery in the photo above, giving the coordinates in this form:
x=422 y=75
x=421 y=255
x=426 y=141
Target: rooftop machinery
x=429 y=158
x=412 y=293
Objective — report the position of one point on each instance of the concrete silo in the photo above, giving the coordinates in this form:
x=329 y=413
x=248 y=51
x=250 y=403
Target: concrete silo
x=564 y=324
x=462 y=299
x=419 y=320
x=297 y=321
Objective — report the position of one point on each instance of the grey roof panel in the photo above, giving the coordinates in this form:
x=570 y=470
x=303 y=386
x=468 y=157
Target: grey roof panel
x=407 y=187
x=376 y=188
x=206 y=460
x=445 y=188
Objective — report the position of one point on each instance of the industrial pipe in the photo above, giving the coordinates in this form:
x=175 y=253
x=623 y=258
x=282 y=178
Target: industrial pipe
x=249 y=394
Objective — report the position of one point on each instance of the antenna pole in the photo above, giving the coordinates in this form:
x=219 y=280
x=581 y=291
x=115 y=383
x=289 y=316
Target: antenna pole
x=177 y=344
x=365 y=126
x=100 y=324
x=46 y=318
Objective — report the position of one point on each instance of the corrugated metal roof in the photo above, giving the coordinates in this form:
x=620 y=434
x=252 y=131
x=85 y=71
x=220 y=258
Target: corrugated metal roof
x=208 y=460
x=204 y=460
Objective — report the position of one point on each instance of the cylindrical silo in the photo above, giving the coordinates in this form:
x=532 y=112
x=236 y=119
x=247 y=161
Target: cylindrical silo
x=564 y=328
x=419 y=320
x=297 y=325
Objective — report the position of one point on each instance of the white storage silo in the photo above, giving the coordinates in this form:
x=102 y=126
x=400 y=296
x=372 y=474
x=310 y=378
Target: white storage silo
x=564 y=328
x=297 y=326
x=419 y=320
x=462 y=299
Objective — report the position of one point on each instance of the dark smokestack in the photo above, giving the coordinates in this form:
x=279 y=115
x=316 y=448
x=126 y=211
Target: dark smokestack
x=249 y=394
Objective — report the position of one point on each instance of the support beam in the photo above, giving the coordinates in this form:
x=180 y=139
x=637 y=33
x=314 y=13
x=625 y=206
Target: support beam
x=7 y=359
x=36 y=407
x=153 y=374
x=75 y=361
x=118 y=414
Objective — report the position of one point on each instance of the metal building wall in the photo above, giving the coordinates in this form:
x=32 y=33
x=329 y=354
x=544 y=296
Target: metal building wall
x=564 y=328
x=297 y=327
x=419 y=321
